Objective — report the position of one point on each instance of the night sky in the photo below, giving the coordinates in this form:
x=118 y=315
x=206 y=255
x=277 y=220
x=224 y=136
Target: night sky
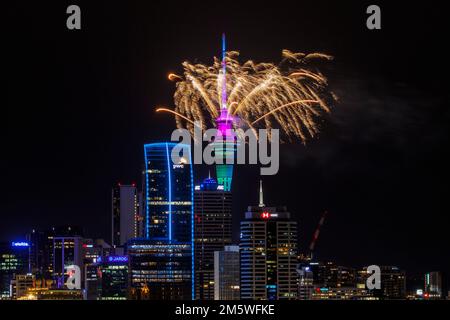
x=80 y=105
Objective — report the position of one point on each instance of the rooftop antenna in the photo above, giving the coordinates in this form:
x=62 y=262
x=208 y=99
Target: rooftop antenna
x=261 y=195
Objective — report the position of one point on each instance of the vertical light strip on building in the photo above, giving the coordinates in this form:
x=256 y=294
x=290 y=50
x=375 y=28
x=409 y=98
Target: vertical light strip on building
x=146 y=194
x=169 y=174
x=192 y=226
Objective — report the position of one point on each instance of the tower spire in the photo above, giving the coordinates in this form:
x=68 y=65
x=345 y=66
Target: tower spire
x=224 y=72
x=261 y=195
x=224 y=123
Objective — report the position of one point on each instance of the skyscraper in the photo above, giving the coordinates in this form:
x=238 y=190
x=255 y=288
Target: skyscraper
x=42 y=250
x=393 y=282
x=212 y=225
x=162 y=264
x=93 y=252
x=39 y=252
x=125 y=218
x=14 y=260
x=226 y=274
x=433 y=285
x=67 y=250
x=268 y=253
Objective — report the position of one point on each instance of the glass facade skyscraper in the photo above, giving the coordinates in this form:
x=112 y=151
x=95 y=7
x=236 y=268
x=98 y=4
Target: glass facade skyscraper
x=169 y=194
x=162 y=263
x=227 y=274
x=124 y=214
x=66 y=251
x=268 y=254
x=212 y=232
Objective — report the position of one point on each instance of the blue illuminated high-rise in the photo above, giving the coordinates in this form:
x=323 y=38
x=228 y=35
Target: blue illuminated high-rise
x=162 y=263
x=169 y=195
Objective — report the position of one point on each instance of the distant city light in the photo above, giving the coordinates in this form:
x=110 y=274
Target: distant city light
x=20 y=244
x=265 y=215
x=118 y=259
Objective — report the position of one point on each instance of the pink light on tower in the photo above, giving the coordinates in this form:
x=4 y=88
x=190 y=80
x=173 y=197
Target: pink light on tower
x=225 y=120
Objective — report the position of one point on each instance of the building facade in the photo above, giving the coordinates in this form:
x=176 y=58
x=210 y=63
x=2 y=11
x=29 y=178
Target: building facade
x=42 y=250
x=393 y=283
x=433 y=285
x=227 y=274
x=212 y=232
x=112 y=278
x=125 y=218
x=162 y=263
x=20 y=285
x=66 y=251
x=305 y=282
x=14 y=260
x=268 y=254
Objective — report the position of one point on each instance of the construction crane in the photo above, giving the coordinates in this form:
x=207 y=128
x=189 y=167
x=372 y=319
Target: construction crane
x=316 y=235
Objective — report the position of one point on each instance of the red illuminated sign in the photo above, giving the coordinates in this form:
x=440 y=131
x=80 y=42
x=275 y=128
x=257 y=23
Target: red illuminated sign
x=265 y=215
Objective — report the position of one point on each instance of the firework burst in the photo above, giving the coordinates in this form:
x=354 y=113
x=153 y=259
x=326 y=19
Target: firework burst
x=290 y=96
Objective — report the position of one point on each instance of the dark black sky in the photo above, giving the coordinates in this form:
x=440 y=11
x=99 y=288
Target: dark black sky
x=80 y=105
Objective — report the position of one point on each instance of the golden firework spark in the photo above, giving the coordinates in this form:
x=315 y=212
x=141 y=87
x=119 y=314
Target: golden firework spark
x=175 y=113
x=290 y=95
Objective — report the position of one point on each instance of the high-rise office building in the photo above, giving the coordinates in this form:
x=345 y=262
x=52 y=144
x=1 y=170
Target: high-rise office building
x=393 y=282
x=268 y=253
x=160 y=271
x=125 y=218
x=113 y=278
x=140 y=221
x=39 y=252
x=227 y=274
x=14 y=260
x=162 y=264
x=92 y=253
x=42 y=251
x=67 y=251
x=212 y=231
x=91 y=280
x=433 y=285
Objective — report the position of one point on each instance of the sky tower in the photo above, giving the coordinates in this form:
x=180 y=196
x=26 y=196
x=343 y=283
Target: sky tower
x=225 y=150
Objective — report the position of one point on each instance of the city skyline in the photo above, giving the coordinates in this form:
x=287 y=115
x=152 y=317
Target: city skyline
x=264 y=225
x=380 y=153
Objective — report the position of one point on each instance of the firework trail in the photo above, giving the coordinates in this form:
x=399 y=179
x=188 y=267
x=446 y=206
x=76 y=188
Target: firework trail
x=290 y=96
